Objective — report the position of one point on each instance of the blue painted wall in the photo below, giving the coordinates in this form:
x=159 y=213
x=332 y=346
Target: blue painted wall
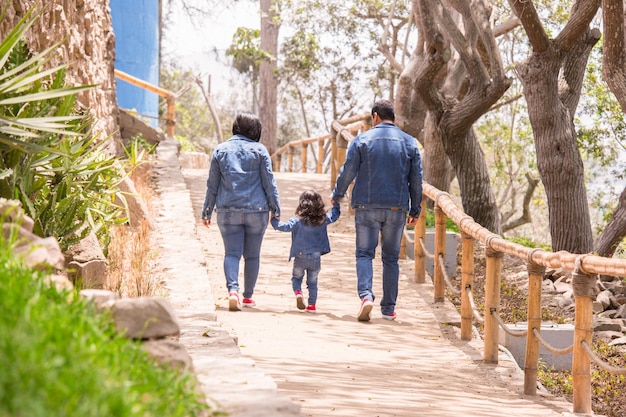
x=136 y=27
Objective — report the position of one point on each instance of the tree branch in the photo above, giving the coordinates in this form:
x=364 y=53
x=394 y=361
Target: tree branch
x=614 y=56
x=526 y=216
x=527 y=14
x=580 y=17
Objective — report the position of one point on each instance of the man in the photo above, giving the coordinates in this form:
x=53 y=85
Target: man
x=386 y=166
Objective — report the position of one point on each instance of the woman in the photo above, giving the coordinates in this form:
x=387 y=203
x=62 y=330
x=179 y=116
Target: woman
x=242 y=188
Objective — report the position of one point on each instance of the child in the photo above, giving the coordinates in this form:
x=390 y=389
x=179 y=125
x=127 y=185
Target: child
x=309 y=241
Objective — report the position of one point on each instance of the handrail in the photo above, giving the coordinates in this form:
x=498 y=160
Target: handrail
x=170 y=98
x=585 y=267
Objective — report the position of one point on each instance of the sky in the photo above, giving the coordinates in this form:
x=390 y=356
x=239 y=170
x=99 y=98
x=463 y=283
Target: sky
x=201 y=46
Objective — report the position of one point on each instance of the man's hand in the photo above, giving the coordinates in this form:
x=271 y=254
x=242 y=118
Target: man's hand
x=411 y=221
x=206 y=222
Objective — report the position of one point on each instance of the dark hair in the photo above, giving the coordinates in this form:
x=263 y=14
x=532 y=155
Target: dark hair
x=311 y=208
x=248 y=125
x=384 y=108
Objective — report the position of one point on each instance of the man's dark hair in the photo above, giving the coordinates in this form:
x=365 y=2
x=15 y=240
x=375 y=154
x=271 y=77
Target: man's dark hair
x=248 y=125
x=384 y=108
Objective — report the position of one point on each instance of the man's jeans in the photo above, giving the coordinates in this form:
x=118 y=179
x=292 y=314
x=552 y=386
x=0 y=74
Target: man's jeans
x=389 y=225
x=311 y=263
x=242 y=233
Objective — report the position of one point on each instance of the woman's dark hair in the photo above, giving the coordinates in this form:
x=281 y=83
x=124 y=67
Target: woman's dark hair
x=248 y=125
x=311 y=208
x=384 y=108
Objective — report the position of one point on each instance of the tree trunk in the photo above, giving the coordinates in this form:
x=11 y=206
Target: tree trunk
x=559 y=162
x=267 y=70
x=614 y=231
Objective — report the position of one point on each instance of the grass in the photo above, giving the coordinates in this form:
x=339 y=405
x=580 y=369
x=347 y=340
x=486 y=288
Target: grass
x=130 y=253
x=62 y=358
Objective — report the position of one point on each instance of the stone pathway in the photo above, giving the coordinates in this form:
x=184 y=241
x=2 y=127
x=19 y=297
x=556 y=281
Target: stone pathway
x=275 y=361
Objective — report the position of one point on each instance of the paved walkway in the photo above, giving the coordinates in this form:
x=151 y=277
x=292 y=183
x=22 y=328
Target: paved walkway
x=275 y=361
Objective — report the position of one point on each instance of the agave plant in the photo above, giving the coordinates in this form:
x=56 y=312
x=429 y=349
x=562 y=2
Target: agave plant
x=49 y=160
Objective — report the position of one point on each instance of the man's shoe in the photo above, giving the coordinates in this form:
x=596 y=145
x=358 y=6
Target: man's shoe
x=248 y=302
x=391 y=316
x=300 y=300
x=233 y=302
x=365 y=310
x=311 y=308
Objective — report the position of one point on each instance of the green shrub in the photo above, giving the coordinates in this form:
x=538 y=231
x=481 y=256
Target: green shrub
x=59 y=357
x=49 y=160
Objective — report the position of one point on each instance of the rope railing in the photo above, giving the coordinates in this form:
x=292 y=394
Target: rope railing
x=549 y=347
x=503 y=326
x=477 y=316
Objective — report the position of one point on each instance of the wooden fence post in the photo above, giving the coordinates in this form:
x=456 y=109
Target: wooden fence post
x=418 y=252
x=304 y=155
x=467 y=282
x=531 y=361
x=492 y=303
x=440 y=249
x=583 y=286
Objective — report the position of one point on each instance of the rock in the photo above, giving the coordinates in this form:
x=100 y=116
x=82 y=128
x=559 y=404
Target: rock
x=145 y=318
x=101 y=298
x=170 y=353
x=618 y=341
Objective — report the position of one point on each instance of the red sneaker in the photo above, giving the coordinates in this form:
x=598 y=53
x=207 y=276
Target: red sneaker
x=391 y=316
x=300 y=300
x=248 y=302
x=233 y=302
x=365 y=310
x=311 y=309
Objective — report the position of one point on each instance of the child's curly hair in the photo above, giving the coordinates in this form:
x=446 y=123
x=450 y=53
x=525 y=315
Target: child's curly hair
x=311 y=208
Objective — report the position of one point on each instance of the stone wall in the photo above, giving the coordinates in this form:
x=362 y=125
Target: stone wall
x=88 y=43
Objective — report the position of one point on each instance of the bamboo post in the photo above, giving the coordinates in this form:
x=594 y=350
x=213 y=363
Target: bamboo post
x=492 y=304
x=320 y=156
x=290 y=158
x=531 y=361
x=418 y=251
x=467 y=282
x=171 y=116
x=305 y=151
x=440 y=249
x=582 y=285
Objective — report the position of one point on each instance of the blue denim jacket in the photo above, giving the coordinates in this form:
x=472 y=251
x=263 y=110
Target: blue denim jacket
x=386 y=167
x=306 y=238
x=241 y=179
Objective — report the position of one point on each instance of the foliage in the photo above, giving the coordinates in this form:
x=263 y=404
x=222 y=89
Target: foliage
x=430 y=221
x=530 y=243
x=48 y=160
x=60 y=357
x=193 y=128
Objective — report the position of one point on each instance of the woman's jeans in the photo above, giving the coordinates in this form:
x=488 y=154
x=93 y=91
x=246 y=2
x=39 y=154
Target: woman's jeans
x=311 y=264
x=389 y=224
x=242 y=233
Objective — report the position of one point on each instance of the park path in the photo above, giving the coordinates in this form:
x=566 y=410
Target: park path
x=284 y=362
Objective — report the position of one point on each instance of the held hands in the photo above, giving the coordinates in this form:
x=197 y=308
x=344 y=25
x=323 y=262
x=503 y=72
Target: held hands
x=206 y=222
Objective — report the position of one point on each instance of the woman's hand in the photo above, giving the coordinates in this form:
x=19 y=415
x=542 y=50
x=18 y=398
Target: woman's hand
x=206 y=222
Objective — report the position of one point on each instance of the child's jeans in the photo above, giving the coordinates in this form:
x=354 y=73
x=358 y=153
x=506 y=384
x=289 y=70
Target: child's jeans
x=311 y=263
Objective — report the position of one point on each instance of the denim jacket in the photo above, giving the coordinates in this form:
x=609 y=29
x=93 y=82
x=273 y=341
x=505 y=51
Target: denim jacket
x=241 y=179
x=306 y=238
x=386 y=167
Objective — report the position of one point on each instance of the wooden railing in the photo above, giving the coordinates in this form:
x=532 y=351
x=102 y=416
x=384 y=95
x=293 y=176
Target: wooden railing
x=326 y=157
x=170 y=98
x=584 y=267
